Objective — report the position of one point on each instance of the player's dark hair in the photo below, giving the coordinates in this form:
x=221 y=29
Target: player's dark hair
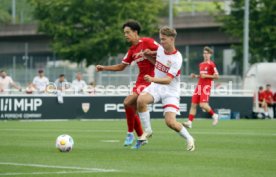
x=61 y=75
x=133 y=25
x=268 y=85
x=261 y=88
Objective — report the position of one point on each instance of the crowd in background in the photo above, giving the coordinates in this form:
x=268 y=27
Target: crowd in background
x=41 y=84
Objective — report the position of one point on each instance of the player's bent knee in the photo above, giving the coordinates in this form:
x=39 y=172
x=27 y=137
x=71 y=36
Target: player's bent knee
x=170 y=123
x=126 y=103
x=141 y=102
x=193 y=105
x=202 y=105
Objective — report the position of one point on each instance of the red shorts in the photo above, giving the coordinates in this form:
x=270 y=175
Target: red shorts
x=201 y=94
x=139 y=87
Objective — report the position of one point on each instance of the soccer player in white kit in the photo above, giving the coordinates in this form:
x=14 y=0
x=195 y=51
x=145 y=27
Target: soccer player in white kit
x=165 y=87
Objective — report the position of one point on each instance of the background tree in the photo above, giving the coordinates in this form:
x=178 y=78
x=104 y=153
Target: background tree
x=5 y=17
x=23 y=12
x=92 y=29
x=262 y=29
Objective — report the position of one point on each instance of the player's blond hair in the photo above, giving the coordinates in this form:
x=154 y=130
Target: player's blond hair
x=167 y=31
x=208 y=49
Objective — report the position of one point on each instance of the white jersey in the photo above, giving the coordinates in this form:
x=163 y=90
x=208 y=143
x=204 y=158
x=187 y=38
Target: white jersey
x=79 y=85
x=169 y=65
x=41 y=83
x=6 y=82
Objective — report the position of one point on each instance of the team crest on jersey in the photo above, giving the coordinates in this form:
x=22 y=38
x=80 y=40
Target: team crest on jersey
x=205 y=68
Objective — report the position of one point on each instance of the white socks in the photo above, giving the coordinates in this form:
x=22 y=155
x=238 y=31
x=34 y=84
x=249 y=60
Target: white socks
x=145 y=119
x=184 y=133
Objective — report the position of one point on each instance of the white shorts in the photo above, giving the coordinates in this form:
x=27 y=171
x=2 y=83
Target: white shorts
x=170 y=99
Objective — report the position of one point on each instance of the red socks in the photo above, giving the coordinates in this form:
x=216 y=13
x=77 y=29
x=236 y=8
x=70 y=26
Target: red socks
x=133 y=121
x=191 y=117
x=211 y=112
x=138 y=126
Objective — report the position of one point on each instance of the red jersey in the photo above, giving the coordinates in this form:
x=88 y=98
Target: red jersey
x=209 y=68
x=268 y=96
x=274 y=97
x=145 y=66
x=261 y=95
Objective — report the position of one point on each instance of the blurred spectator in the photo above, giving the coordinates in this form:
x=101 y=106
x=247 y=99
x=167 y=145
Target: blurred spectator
x=6 y=82
x=91 y=88
x=30 y=88
x=79 y=84
x=261 y=99
x=269 y=99
x=274 y=104
x=261 y=94
x=61 y=83
x=268 y=94
x=40 y=82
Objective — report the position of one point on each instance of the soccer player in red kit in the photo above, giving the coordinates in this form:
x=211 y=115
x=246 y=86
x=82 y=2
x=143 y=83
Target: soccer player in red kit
x=207 y=72
x=261 y=100
x=274 y=104
x=146 y=67
x=268 y=97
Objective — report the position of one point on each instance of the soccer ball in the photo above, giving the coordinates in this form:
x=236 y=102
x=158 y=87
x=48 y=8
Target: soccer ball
x=64 y=143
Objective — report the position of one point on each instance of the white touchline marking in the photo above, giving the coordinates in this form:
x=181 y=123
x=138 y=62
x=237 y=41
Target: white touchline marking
x=46 y=173
x=159 y=132
x=58 y=167
x=235 y=133
x=47 y=130
x=110 y=141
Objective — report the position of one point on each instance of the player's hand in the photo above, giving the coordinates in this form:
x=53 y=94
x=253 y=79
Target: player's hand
x=147 y=53
x=148 y=78
x=99 y=68
x=203 y=76
x=139 y=54
x=193 y=75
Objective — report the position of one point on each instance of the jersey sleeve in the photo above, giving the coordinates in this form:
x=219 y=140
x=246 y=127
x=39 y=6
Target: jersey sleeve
x=214 y=68
x=128 y=58
x=151 y=44
x=47 y=81
x=11 y=81
x=175 y=68
x=34 y=80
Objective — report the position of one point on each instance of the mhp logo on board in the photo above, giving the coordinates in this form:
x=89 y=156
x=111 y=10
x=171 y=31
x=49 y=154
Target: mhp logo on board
x=20 y=104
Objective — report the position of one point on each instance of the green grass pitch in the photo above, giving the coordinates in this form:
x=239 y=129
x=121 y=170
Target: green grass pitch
x=236 y=148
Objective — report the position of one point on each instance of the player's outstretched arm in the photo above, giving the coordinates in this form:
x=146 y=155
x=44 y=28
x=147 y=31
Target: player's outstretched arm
x=214 y=76
x=118 y=67
x=150 y=55
x=193 y=75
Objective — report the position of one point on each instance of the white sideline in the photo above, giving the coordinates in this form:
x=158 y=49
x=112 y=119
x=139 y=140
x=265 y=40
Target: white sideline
x=59 y=167
x=159 y=132
x=46 y=173
x=110 y=141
